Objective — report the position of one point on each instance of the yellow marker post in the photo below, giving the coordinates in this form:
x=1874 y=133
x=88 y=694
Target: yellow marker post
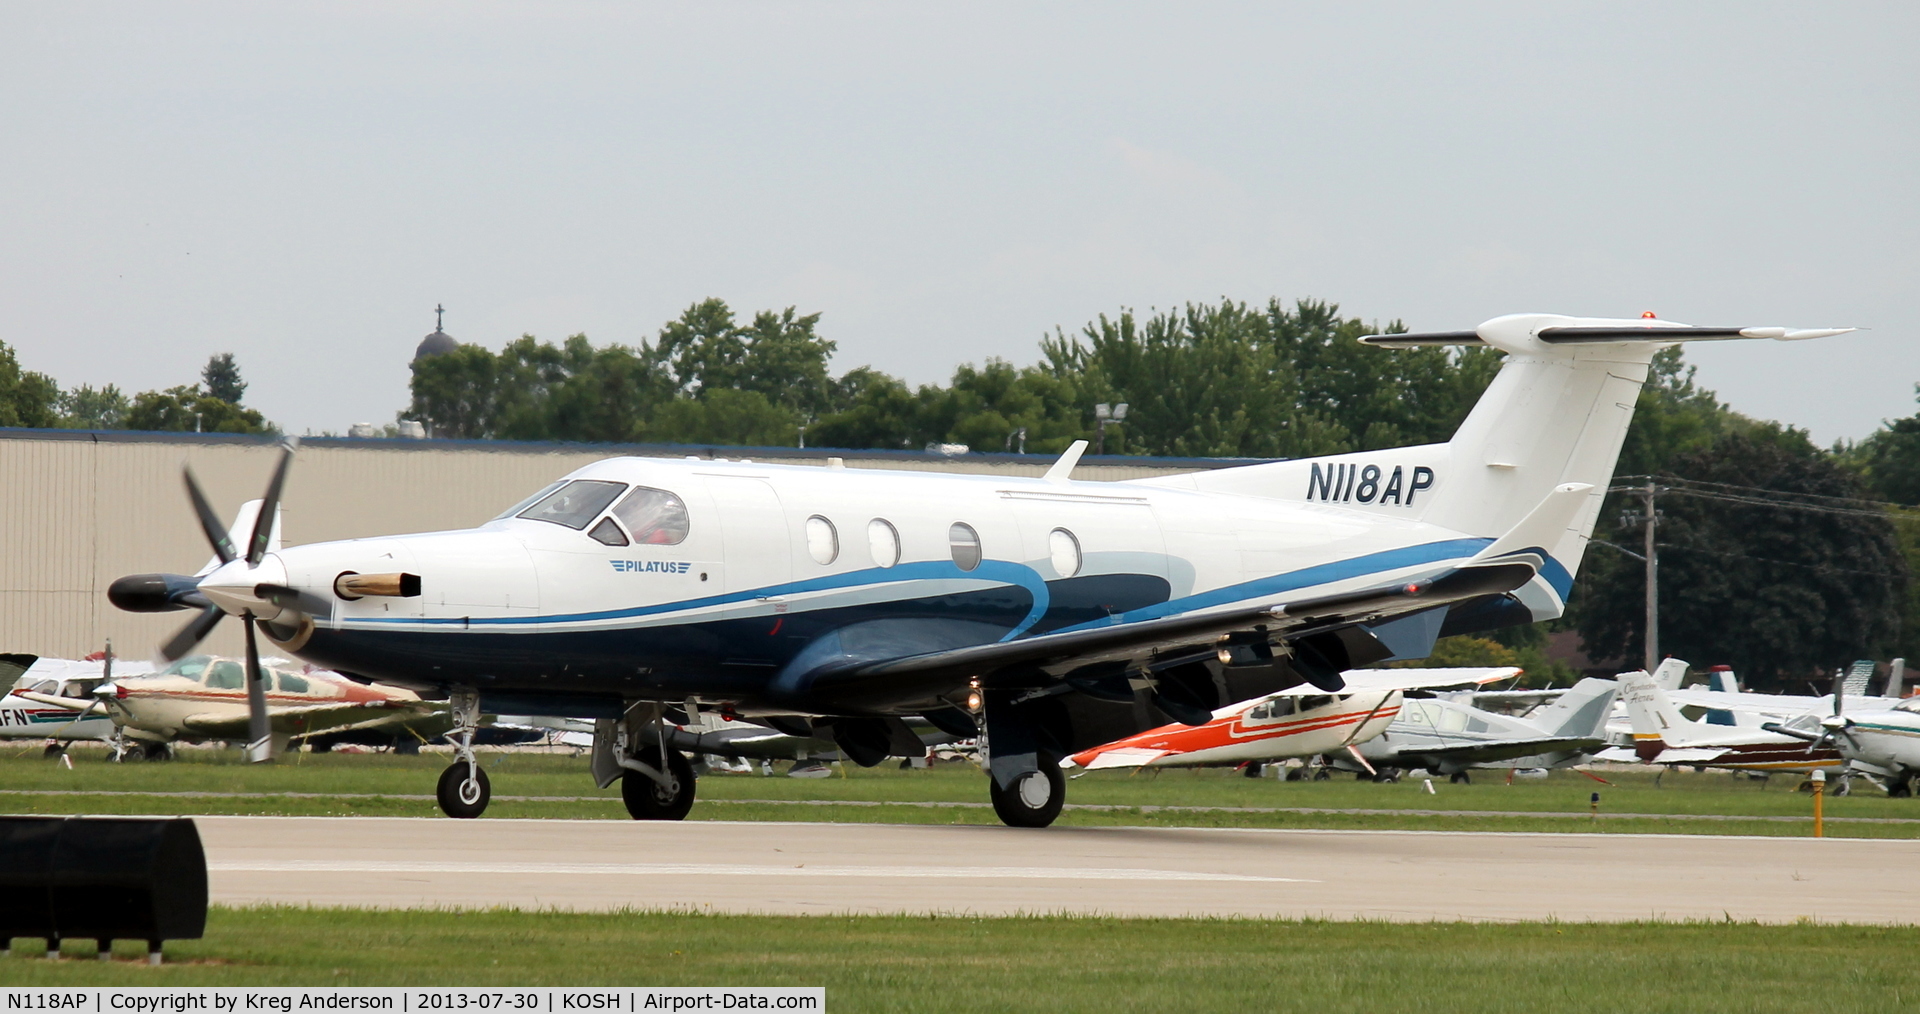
x=1819 y=799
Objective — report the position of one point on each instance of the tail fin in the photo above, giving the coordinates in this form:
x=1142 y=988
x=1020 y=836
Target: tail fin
x=1896 y=677
x=1653 y=713
x=1580 y=712
x=1555 y=415
x=1670 y=673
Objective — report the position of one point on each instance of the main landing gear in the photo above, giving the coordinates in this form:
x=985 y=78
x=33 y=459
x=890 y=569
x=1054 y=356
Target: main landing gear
x=1035 y=797
x=656 y=780
x=463 y=790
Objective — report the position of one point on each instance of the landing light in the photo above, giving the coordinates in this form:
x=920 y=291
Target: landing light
x=973 y=700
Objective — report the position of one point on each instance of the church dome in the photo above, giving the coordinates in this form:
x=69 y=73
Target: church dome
x=439 y=342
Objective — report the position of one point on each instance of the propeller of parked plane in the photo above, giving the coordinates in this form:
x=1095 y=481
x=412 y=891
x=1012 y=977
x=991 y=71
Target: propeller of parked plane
x=1836 y=724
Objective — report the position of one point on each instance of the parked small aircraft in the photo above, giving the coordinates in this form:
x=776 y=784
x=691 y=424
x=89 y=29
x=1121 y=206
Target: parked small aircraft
x=1299 y=722
x=203 y=697
x=1663 y=736
x=1874 y=736
x=24 y=718
x=1448 y=735
x=1062 y=614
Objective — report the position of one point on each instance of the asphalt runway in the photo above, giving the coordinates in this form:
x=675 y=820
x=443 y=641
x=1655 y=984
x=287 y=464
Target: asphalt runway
x=804 y=868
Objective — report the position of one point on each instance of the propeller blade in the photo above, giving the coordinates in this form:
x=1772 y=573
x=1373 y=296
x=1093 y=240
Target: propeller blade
x=269 y=507
x=259 y=728
x=192 y=634
x=209 y=521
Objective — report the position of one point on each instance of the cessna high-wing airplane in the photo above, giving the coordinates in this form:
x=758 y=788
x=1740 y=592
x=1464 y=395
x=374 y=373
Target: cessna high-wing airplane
x=1298 y=722
x=1045 y=608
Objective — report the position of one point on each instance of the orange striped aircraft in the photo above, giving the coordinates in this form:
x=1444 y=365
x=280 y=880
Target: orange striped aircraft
x=1299 y=722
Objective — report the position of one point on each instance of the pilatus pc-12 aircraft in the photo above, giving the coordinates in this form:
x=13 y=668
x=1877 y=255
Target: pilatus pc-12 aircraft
x=1049 y=614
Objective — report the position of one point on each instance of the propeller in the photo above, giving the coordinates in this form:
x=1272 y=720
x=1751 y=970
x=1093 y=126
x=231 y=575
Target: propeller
x=1837 y=724
x=188 y=637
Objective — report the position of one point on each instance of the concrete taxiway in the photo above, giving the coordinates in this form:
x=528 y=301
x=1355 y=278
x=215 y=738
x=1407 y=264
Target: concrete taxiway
x=803 y=868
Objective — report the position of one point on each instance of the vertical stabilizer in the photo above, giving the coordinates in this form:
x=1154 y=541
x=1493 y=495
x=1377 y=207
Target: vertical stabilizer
x=1652 y=712
x=1580 y=713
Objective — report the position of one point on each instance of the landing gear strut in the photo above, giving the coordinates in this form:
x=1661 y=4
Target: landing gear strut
x=463 y=790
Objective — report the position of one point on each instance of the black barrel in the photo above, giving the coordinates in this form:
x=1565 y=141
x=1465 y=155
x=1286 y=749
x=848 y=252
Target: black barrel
x=102 y=878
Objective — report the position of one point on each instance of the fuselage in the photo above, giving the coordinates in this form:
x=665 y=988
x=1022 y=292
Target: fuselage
x=760 y=562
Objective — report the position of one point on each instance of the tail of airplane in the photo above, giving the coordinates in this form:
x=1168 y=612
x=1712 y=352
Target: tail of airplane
x=1653 y=713
x=1580 y=713
x=1669 y=674
x=1555 y=415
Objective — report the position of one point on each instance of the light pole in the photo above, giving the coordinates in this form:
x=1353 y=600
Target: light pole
x=1105 y=415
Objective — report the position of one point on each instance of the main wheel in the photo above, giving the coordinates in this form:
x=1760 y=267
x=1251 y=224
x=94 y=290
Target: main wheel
x=54 y=750
x=1461 y=778
x=647 y=799
x=1251 y=770
x=1034 y=799
x=461 y=796
x=1900 y=790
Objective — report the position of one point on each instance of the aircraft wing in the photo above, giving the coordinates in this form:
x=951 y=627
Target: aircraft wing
x=1418 y=679
x=1618 y=754
x=1125 y=757
x=1764 y=704
x=1689 y=755
x=1499 y=750
x=299 y=720
x=69 y=703
x=1174 y=639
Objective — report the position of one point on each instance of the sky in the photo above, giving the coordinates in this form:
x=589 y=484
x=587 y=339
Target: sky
x=300 y=183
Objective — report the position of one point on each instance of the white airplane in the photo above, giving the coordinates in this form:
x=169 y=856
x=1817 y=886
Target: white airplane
x=25 y=714
x=1046 y=608
x=1448 y=735
x=1662 y=735
x=1883 y=741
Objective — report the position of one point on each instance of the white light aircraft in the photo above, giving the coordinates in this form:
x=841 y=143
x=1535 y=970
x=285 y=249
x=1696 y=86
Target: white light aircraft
x=1662 y=735
x=1045 y=608
x=1447 y=735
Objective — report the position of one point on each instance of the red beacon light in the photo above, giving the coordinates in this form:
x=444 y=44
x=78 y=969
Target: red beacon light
x=1649 y=315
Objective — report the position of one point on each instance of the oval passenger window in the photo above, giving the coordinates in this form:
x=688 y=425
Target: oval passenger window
x=823 y=543
x=883 y=542
x=1064 y=550
x=964 y=542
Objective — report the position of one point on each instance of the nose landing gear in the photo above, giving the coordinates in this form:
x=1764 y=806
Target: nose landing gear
x=463 y=790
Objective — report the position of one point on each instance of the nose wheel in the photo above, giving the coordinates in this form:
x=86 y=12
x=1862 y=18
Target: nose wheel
x=463 y=790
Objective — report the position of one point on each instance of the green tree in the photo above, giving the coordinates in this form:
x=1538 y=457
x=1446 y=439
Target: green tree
x=1889 y=459
x=26 y=398
x=1779 y=590
x=222 y=379
x=84 y=408
x=187 y=409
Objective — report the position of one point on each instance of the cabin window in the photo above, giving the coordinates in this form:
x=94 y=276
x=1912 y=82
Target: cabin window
x=576 y=504
x=226 y=676
x=654 y=516
x=291 y=684
x=883 y=542
x=964 y=543
x=1316 y=701
x=823 y=541
x=46 y=687
x=529 y=501
x=608 y=532
x=1279 y=707
x=187 y=668
x=1064 y=550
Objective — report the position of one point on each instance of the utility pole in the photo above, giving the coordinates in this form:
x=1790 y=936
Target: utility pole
x=1652 y=518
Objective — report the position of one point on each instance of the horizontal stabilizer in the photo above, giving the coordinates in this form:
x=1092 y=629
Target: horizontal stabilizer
x=1644 y=330
x=1618 y=755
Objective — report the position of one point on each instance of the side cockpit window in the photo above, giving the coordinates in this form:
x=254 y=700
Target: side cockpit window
x=575 y=504
x=654 y=517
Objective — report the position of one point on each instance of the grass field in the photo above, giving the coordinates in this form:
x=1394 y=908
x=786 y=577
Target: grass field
x=1049 y=963
x=388 y=785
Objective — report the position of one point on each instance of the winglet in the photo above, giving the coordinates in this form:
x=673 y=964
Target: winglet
x=1544 y=526
x=1062 y=470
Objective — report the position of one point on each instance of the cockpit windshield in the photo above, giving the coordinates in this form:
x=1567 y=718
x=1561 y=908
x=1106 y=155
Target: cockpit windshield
x=575 y=504
x=192 y=667
x=529 y=501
